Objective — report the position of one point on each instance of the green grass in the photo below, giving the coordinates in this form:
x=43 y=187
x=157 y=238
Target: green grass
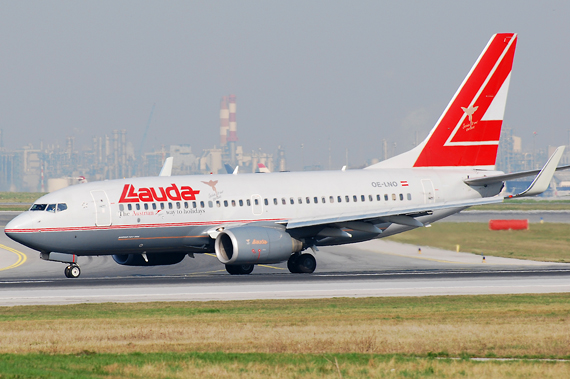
x=317 y=338
x=525 y=205
x=260 y=365
x=542 y=242
x=18 y=201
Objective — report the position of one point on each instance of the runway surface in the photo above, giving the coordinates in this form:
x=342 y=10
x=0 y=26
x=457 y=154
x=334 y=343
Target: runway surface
x=373 y=268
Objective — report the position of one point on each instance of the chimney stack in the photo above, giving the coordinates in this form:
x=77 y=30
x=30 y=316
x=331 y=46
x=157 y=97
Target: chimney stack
x=232 y=136
x=224 y=121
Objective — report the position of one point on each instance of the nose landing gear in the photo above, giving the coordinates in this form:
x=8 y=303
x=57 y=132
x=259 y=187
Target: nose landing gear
x=72 y=271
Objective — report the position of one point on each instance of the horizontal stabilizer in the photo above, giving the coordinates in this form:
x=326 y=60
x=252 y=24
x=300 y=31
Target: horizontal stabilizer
x=554 y=159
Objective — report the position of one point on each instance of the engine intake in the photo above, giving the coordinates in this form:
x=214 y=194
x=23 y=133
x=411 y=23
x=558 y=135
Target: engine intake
x=255 y=244
x=155 y=259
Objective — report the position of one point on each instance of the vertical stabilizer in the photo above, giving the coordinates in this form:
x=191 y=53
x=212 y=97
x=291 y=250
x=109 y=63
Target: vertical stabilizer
x=467 y=133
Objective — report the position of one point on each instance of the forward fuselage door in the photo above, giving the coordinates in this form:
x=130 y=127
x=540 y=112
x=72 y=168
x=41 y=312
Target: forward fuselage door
x=429 y=191
x=256 y=205
x=102 y=208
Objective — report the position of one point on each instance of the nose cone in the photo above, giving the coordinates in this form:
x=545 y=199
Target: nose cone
x=21 y=226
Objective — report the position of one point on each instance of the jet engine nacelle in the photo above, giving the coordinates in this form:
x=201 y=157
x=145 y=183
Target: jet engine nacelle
x=155 y=259
x=255 y=244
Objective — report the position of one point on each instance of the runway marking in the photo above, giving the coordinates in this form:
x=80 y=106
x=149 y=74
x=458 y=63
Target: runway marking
x=277 y=268
x=22 y=258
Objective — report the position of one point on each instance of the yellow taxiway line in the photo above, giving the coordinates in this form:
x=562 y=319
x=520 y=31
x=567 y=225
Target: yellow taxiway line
x=22 y=258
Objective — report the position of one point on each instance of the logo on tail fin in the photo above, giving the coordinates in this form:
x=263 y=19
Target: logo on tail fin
x=469 y=112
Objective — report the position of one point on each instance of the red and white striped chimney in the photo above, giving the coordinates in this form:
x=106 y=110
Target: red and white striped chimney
x=224 y=121
x=232 y=136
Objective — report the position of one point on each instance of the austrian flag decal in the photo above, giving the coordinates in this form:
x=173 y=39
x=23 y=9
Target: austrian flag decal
x=147 y=195
x=404 y=183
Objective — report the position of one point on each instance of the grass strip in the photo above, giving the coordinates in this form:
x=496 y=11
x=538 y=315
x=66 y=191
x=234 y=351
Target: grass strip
x=262 y=365
x=535 y=326
x=541 y=242
x=526 y=205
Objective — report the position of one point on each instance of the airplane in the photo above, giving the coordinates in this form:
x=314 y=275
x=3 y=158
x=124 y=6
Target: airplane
x=251 y=219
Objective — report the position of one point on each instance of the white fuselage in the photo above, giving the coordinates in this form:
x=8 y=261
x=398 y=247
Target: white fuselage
x=155 y=214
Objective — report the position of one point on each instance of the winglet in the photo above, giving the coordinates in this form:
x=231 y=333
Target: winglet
x=167 y=168
x=542 y=180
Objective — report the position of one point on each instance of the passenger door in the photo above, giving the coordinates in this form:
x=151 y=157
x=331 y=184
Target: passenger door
x=102 y=208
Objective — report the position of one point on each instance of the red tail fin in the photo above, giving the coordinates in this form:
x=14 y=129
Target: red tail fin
x=467 y=133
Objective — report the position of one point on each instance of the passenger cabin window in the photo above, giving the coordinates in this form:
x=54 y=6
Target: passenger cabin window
x=145 y=206
x=401 y=197
x=275 y=201
x=347 y=198
x=386 y=197
x=292 y=201
x=266 y=201
x=38 y=207
x=241 y=203
x=409 y=196
x=355 y=198
x=316 y=199
x=169 y=205
x=248 y=202
x=210 y=204
x=339 y=199
x=218 y=203
x=177 y=205
x=256 y=201
x=378 y=197
x=362 y=198
x=233 y=203
x=283 y=201
x=153 y=205
x=300 y=201
x=129 y=207
x=394 y=196
x=201 y=204
x=308 y=200
x=331 y=199
x=225 y=203
x=161 y=206
x=194 y=204
x=121 y=207
x=138 y=206
x=370 y=198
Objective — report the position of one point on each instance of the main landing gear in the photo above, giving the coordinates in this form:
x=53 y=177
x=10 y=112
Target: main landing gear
x=72 y=271
x=239 y=269
x=302 y=264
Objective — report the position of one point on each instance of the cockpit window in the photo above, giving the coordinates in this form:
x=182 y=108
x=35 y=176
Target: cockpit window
x=49 y=207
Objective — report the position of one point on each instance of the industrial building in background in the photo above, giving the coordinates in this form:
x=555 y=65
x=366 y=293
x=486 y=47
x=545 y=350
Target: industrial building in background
x=51 y=167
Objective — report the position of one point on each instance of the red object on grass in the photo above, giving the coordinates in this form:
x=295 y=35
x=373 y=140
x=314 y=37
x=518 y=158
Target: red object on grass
x=508 y=224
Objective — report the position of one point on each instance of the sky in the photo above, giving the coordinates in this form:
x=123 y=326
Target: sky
x=318 y=74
